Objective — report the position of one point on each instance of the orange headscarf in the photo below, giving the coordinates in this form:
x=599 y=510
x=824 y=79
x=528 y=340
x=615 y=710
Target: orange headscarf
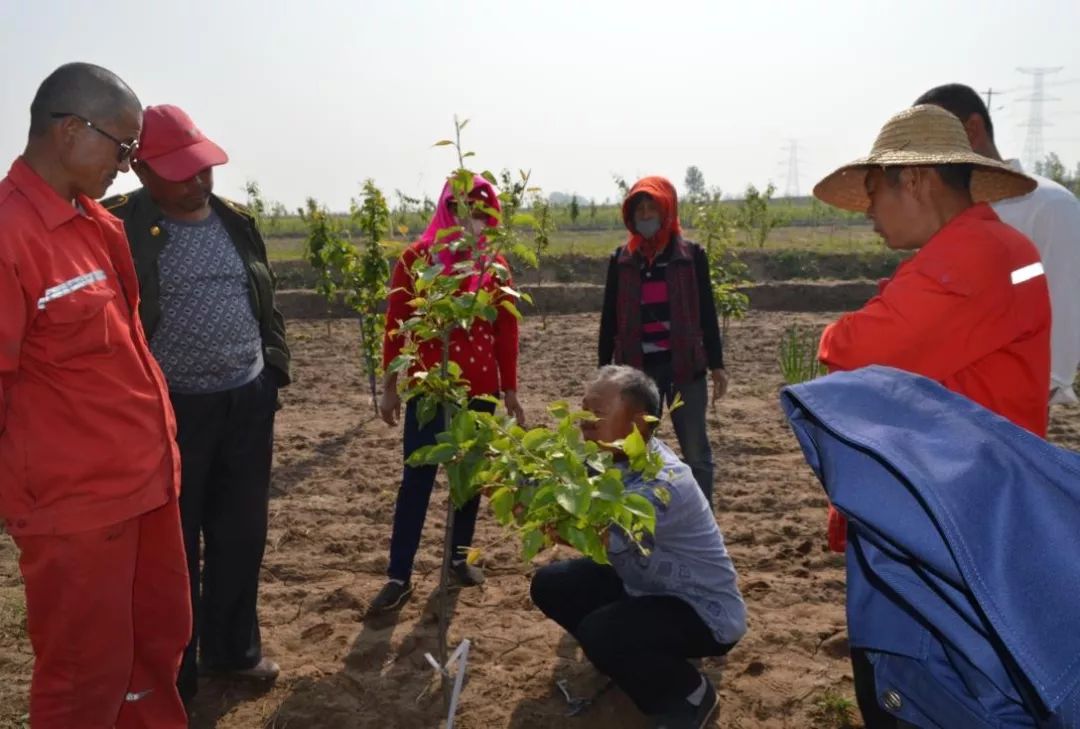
x=663 y=192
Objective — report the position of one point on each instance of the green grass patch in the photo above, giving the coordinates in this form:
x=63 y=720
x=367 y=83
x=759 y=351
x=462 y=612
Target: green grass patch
x=600 y=243
x=833 y=711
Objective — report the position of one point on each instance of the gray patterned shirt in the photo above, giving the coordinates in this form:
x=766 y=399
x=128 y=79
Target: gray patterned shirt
x=208 y=339
x=688 y=559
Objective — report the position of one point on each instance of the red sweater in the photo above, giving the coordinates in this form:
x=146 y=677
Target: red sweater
x=487 y=353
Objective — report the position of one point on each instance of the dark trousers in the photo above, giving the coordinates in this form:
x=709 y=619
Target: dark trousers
x=642 y=643
x=874 y=717
x=689 y=422
x=226 y=445
x=414 y=496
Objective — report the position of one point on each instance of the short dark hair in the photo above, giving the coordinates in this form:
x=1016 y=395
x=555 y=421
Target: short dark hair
x=634 y=385
x=90 y=91
x=960 y=100
x=956 y=177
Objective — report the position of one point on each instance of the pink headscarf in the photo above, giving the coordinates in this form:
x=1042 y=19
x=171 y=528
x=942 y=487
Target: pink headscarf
x=483 y=191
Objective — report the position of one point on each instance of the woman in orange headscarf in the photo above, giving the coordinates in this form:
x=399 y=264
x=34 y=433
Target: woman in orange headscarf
x=659 y=316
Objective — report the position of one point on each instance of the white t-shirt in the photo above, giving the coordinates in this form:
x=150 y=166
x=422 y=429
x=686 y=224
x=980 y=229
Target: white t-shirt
x=1050 y=217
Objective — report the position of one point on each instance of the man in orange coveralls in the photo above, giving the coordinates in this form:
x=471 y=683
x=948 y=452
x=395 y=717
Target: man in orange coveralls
x=89 y=471
x=970 y=309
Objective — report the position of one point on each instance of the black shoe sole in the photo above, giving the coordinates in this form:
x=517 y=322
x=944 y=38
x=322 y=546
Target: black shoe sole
x=396 y=605
x=457 y=582
x=711 y=713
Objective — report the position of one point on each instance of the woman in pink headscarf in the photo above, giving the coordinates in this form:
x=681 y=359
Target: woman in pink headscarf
x=487 y=354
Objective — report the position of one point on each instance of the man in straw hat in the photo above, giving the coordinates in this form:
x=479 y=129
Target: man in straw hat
x=970 y=309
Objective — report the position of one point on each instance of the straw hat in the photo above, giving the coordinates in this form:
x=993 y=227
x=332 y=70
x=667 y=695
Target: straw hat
x=923 y=135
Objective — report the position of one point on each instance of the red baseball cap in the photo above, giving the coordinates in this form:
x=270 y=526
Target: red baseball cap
x=174 y=147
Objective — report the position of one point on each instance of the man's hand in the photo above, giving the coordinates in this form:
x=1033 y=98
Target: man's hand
x=719 y=384
x=390 y=402
x=514 y=407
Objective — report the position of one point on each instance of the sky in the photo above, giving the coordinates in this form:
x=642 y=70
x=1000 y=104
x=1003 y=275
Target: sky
x=311 y=98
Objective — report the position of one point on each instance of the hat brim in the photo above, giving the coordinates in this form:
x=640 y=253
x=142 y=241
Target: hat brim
x=186 y=162
x=990 y=181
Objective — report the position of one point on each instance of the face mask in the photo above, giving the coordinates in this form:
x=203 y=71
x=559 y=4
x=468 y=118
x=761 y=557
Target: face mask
x=647 y=228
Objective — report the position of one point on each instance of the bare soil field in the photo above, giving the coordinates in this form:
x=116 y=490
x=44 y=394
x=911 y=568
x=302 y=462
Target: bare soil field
x=336 y=474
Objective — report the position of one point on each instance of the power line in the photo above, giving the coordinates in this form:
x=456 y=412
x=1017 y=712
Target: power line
x=791 y=187
x=1033 y=145
x=989 y=94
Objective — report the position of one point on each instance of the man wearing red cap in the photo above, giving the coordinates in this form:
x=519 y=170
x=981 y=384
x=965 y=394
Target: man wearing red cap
x=88 y=464
x=208 y=309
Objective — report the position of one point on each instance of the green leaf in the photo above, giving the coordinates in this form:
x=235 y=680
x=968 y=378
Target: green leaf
x=425 y=410
x=443 y=232
x=634 y=445
x=443 y=143
x=575 y=537
x=535 y=437
x=401 y=363
x=463 y=424
x=438 y=454
x=641 y=507
x=509 y=306
x=594 y=547
x=489 y=177
x=544 y=497
x=502 y=503
x=527 y=255
x=462 y=482
x=565 y=498
x=597 y=462
x=464 y=182
x=582 y=501
x=532 y=541
x=419 y=456
x=610 y=487
x=559 y=410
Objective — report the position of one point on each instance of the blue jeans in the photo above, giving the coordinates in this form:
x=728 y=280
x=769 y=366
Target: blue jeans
x=689 y=422
x=415 y=494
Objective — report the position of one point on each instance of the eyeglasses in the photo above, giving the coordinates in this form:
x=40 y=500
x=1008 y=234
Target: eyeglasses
x=125 y=150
